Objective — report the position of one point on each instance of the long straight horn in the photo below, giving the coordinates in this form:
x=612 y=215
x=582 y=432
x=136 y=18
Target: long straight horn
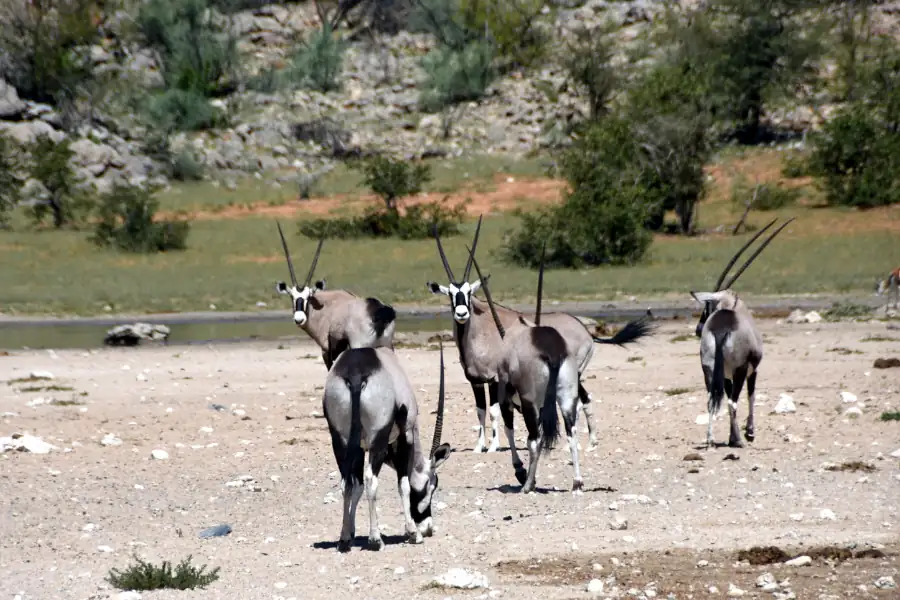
x=472 y=251
x=287 y=255
x=540 y=292
x=487 y=294
x=758 y=250
x=738 y=255
x=315 y=261
x=439 y=423
x=447 y=268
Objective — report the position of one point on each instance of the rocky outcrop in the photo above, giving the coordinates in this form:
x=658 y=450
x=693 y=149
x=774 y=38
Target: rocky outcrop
x=134 y=334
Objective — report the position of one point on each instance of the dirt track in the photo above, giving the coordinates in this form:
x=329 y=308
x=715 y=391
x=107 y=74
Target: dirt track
x=59 y=508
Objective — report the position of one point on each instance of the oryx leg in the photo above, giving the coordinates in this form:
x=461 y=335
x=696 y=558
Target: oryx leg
x=737 y=384
x=749 y=430
x=707 y=378
x=401 y=456
x=588 y=408
x=570 y=417
x=506 y=410
x=495 y=418
x=481 y=407
x=351 y=492
x=532 y=423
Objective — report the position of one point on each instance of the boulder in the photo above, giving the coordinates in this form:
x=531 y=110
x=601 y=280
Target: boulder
x=132 y=335
x=11 y=106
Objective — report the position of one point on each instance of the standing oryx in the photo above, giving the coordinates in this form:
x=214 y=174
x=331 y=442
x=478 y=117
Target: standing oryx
x=479 y=342
x=370 y=405
x=536 y=365
x=336 y=319
x=731 y=347
x=890 y=286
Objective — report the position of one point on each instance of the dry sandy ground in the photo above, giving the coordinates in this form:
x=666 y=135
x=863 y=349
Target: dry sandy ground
x=71 y=515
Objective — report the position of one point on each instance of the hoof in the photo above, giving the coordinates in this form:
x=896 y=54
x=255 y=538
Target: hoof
x=521 y=475
x=344 y=545
x=738 y=443
x=751 y=437
x=578 y=486
x=414 y=538
x=375 y=544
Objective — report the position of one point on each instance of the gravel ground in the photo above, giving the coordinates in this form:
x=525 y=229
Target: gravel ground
x=650 y=524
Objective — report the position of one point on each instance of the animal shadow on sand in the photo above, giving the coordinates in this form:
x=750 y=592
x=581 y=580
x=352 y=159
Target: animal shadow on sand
x=516 y=489
x=362 y=541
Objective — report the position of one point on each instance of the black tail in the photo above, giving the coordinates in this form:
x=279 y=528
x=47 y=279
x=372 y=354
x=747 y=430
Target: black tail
x=717 y=390
x=632 y=331
x=353 y=455
x=549 y=416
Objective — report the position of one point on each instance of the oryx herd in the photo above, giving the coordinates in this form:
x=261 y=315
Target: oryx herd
x=530 y=366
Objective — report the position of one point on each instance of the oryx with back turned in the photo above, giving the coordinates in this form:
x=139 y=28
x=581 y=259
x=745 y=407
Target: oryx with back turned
x=536 y=373
x=731 y=347
x=479 y=342
x=336 y=319
x=370 y=405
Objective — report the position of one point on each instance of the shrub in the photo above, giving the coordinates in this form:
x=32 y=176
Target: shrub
x=317 y=65
x=44 y=46
x=454 y=76
x=10 y=182
x=512 y=27
x=51 y=165
x=181 y=110
x=602 y=218
x=413 y=222
x=145 y=576
x=186 y=167
x=767 y=196
x=587 y=61
x=857 y=160
x=393 y=179
x=126 y=222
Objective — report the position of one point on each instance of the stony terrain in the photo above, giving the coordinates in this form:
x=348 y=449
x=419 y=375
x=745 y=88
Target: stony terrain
x=293 y=136
x=238 y=438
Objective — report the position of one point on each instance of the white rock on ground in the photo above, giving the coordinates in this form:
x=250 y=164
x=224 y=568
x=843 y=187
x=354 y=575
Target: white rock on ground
x=896 y=453
x=462 y=579
x=885 y=583
x=853 y=411
x=24 y=442
x=159 y=454
x=702 y=419
x=800 y=561
x=41 y=375
x=595 y=586
x=132 y=595
x=827 y=515
x=785 y=405
x=110 y=440
x=848 y=397
x=618 y=524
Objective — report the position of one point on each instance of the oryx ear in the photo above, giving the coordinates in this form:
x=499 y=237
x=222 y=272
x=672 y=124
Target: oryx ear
x=281 y=287
x=704 y=297
x=440 y=456
x=320 y=284
x=475 y=287
x=436 y=288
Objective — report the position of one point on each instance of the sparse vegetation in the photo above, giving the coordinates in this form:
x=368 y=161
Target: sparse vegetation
x=890 y=416
x=846 y=310
x=64 y=200
x=10 y=182
x=676 y=391
x=126 y=222
x=145 y=576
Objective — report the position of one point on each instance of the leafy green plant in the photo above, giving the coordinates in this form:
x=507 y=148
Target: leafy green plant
x=456 y=75
x=10 y=182
x=145 y=576
x=513 y=27
x=392 y=179
x=317 y=65
x=51 y=165
x=186 y=166
x=588 y=64
x=413 y=222
x=126 y=222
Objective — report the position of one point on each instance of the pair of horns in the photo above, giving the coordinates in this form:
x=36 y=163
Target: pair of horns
x=287 y=255
x=487 y=291
x=447 y=268
x=439 y=423
x=753 y=256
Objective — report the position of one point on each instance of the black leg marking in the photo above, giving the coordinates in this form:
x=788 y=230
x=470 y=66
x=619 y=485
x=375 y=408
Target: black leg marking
x=749 y=430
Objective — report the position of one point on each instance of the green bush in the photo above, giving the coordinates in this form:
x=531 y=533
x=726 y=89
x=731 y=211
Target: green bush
x=768 y=196
x=51 y=165
x=414 y=222
x=794 y=166
x=186 y=167
x=512 y=27
x=145 y=576
x=126 y=222
x=10 y=182
x=603 y=217
x=857 y=160
x=44 y=46
x=181 y=110
x=317 y=65
x=454 y=76
x=393 y=179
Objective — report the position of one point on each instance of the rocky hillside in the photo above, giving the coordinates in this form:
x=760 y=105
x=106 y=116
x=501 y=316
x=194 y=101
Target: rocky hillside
x=296 y=135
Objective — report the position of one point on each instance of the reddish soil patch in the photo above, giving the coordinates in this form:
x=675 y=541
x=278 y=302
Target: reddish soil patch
x=259 y=260
x=506 y=195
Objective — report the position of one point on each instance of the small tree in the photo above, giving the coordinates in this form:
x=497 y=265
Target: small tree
x=588 y=64
x=393 y=179
x=126 y=222
x=512 y=27
x=51 y=165
x=10 y=182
